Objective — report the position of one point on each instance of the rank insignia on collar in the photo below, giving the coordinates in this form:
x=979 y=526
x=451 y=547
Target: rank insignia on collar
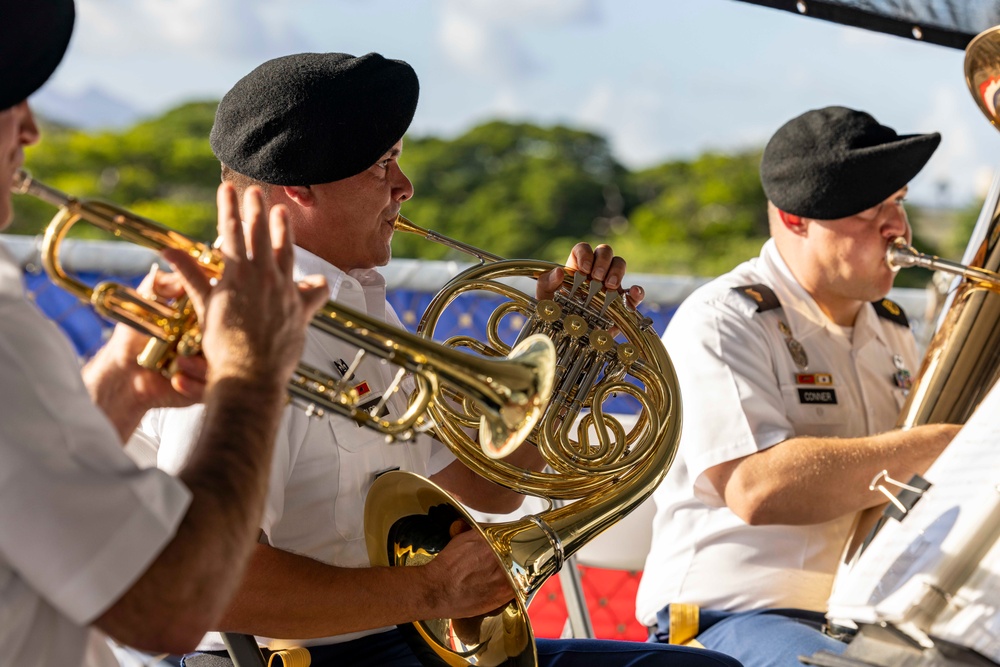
x=761 y=294
x=795 y=348
x=890 y=311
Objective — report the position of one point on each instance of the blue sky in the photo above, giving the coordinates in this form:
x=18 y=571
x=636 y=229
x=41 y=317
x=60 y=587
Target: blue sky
x=661 y=79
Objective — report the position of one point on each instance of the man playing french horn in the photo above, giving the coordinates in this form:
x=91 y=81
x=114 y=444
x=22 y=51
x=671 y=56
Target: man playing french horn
x=793 y=369
x=322 y=134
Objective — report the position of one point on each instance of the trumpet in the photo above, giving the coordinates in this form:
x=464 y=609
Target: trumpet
x=509 y=394
x=901 y=255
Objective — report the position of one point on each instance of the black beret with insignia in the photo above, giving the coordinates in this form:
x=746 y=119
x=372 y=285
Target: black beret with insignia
x=835 y=162
x=33 y=38
x=314 y=117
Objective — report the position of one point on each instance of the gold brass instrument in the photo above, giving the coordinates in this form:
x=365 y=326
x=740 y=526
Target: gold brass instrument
x=962 y=361
x=508 y=394
x=901 y=255
x=407 y=518
x=960 y=365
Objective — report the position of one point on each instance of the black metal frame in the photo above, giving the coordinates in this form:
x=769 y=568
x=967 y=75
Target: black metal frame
x=835 y=12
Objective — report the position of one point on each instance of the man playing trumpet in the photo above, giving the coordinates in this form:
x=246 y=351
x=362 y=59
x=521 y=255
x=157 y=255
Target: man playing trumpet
x=89 y=544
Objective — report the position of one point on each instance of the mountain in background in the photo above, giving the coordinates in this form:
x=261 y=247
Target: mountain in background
x=90 y=109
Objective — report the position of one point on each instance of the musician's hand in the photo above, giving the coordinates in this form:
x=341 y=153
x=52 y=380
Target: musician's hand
x=123 y=389
x=599 y=263
x=254 y=317
x=466 y=579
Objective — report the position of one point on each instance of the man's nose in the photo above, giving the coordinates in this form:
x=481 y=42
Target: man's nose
x=895 y=223
x=403 y=188
x=28 y=128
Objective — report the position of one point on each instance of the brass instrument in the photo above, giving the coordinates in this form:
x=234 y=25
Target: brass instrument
x=962 y=361
x=901 y=255
x=407 y=518
x=960 y=365
x=508 y=394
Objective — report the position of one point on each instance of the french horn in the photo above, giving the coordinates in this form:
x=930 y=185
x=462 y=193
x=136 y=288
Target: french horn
x=508 y=394
x=601 y=467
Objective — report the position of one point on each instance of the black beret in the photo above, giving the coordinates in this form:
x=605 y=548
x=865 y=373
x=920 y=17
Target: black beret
x=33 y=39
x=314 y=117
x=834 y=162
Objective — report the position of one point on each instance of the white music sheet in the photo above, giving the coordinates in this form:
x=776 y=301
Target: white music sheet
x=939 y=570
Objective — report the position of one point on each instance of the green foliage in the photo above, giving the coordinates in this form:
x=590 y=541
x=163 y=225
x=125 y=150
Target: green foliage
x=513 y=189
x=517 y=190
x=701 y=217
x=163 y=165
x=964 y=227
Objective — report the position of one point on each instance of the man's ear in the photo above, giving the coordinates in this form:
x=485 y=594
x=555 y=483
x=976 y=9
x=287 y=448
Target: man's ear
x=302 y=195
x=792 y=222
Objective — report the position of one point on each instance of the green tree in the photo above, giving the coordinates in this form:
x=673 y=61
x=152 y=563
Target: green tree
x=517 y=190
x=513 y=189
x=700 y=217
x=164 y=166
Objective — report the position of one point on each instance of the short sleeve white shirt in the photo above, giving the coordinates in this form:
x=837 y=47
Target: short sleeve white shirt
x=323 y=466
x=79 y=522
x=744 y=390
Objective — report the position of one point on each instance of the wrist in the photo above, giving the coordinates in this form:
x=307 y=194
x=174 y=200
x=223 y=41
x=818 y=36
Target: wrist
x=256 y=389
x=110 y=381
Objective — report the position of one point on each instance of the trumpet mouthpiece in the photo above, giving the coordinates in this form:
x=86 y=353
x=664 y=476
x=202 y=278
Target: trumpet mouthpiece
x=898 y=254
x=20 y=183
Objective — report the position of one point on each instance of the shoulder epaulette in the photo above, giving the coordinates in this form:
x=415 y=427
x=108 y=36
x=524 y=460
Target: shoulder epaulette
x=891 y=311
x=762 y=295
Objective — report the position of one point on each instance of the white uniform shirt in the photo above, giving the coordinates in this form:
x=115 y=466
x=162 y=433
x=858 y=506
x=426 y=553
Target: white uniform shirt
x=743 y=392
x=78 y=521
x=323 y=467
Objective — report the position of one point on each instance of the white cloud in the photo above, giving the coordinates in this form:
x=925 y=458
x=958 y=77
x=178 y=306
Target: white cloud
x=215 y=28
x=517 y=13
x=636 y=120
x=481 y=49
x=483 y=37
x=967 y=143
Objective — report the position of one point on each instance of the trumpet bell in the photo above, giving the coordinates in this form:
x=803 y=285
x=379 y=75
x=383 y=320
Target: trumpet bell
x=502 y=429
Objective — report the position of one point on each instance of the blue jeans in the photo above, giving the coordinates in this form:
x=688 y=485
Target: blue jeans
x=389 y=649
x=759 y=638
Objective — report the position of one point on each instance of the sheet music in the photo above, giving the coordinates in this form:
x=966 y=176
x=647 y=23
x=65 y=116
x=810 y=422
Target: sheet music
x=972 y=618
x=893 y=579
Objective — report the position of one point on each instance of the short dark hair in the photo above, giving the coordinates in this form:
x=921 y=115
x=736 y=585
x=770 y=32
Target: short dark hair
x=241 y=182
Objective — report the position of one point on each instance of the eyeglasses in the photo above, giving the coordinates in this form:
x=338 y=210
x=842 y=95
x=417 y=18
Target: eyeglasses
x=872 y=214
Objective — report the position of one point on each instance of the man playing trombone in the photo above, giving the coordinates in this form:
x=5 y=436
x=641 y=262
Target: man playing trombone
x=90 y=545
x=322 y=134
